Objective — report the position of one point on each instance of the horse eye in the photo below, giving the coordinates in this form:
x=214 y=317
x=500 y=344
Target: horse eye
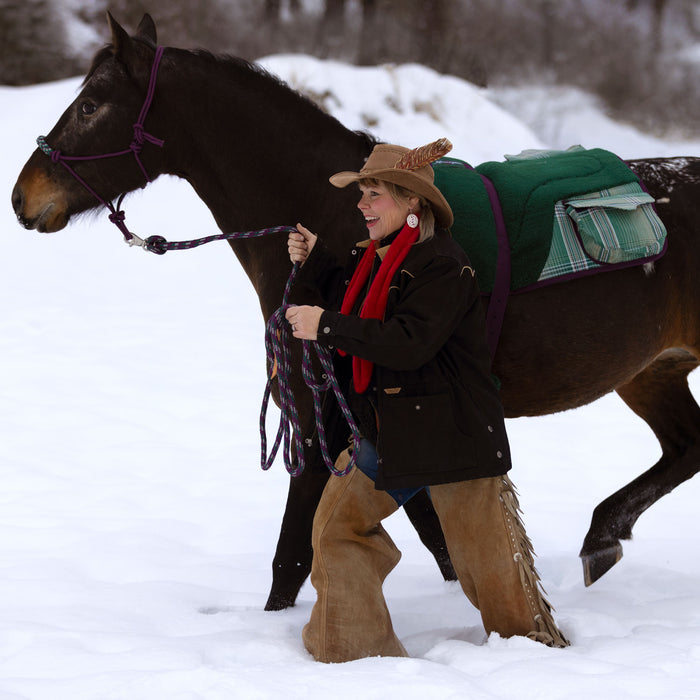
x=87 y=108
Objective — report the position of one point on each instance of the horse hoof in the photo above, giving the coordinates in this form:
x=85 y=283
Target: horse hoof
x=598 y=563
x=278 y=602
x=448 y=571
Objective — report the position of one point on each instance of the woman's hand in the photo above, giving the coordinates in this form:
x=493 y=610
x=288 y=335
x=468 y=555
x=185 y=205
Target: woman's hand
x=300 y=244
x=304 y=321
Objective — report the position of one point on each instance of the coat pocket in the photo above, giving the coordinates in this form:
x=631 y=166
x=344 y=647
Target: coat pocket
x=418 y=434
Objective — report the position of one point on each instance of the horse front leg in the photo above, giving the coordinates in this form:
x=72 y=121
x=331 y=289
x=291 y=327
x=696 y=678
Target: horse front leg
x=661 y=396
x=292 y=561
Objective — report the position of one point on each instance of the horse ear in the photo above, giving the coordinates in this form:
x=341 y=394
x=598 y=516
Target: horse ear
x=125 y=49
x=120 y=39
x=147 y=29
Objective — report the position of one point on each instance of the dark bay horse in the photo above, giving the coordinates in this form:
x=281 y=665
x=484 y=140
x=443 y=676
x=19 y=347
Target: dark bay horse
x=259 y=155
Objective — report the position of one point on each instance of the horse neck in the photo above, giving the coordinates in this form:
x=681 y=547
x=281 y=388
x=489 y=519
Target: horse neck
x=255 y=151
x=258 y=155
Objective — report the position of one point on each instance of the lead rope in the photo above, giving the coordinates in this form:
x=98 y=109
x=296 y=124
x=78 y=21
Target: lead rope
x=277 y=346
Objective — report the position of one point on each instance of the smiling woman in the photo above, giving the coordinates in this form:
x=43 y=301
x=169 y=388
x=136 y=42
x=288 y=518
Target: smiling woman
x=427 y=409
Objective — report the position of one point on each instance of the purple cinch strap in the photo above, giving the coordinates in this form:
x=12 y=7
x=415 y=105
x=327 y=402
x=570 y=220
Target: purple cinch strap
x=501 y=288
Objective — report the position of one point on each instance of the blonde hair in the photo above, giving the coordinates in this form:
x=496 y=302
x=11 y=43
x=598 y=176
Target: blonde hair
x=401 y=195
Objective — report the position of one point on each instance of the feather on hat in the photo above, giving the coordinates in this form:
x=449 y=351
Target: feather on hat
x=409 y=168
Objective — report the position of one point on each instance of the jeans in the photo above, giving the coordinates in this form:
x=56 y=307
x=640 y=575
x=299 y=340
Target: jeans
x=366 y=462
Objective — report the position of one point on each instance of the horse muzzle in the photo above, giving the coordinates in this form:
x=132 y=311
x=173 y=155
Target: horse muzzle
x=38 y=203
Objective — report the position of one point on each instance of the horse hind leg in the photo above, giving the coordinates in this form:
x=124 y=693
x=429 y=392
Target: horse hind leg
x=424 y=519
x=660 y=396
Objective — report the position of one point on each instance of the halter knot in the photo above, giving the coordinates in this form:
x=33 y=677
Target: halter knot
x=137 y=144
x=141 y=136
x=156 y=244
x=117 y=217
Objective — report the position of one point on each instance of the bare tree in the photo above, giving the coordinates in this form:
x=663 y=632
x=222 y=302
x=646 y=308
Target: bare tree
x=548 y=31
x=330 y=36
x=26 y=56
x=368 y=28
x=271 y=11
x=432 y=20
x=658 y=7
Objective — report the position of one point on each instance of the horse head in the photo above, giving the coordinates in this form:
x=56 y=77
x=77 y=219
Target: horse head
x=68 y=174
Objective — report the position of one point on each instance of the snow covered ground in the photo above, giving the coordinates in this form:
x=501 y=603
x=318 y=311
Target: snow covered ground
x=137 y=530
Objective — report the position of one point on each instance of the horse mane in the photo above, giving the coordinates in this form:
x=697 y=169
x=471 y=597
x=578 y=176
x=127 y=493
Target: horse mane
x=238 y=62
x=247 y=69
x=242 y=69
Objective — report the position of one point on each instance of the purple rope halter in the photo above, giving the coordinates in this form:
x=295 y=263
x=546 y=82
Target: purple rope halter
x=117 y=216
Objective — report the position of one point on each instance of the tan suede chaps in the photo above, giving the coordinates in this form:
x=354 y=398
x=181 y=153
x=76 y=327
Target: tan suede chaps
x=353 y=554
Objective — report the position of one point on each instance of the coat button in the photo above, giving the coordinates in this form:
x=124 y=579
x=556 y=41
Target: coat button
x=327 y=330
x=499 y=454
x=417 y=407
x=490 y=428
x=354 y=252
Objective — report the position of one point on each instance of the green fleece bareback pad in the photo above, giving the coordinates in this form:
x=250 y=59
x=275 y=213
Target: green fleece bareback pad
x=607 y=217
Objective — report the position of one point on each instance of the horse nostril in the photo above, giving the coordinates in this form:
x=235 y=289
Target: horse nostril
x=18 y=206
x=17 y=200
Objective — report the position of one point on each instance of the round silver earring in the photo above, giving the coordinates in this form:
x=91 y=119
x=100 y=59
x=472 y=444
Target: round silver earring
x=412 y=220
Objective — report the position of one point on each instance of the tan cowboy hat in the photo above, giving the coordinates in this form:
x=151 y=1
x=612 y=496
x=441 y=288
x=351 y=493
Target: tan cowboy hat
x=409 y=168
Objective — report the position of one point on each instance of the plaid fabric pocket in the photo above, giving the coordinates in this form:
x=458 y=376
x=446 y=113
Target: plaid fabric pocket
x=617 y=225
x=612 y=226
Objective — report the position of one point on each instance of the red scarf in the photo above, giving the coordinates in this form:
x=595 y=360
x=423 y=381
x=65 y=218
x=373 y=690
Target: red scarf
x=375 y=301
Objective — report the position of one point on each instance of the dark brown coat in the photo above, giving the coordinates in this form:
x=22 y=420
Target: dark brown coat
x=438 y=413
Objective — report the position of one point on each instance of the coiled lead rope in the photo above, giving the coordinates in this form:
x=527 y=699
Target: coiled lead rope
x=277 y=345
